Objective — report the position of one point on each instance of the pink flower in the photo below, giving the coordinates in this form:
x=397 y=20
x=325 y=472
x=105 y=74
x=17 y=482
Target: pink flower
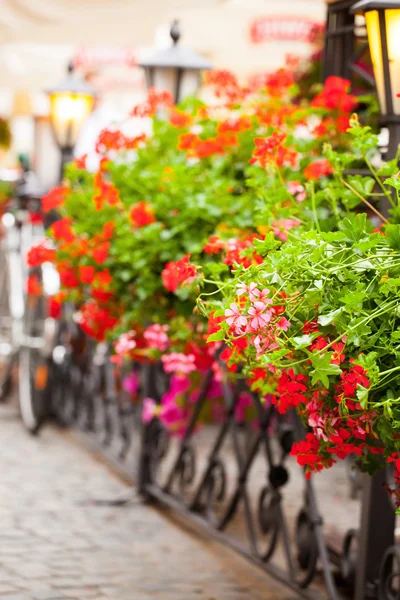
x=296 y=189
x=259 y=316
x=218 y=374
x=283 y=324
x=148 y=410
x=253 y=292
x=172 y=415
x=242 y=288
x=179 y=363
x=263 y=343
x=125 y=343
x=233 y=317
x=282 y=226
x=130 y=383
x=156 y=337
x=244 y=401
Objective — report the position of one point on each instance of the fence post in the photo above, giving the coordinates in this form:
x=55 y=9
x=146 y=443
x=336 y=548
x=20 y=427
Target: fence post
x=148 y=390
x=376 y=534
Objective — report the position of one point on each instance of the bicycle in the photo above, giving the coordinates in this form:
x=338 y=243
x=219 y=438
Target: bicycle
x=26 y=330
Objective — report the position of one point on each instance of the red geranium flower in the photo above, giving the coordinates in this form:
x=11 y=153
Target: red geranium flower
x=86 y=274
x=54 y=199
x=272 y=151
x=176 y=273
x=62 y=230
x=100 y=253
x=68 y=275
x=33 y=286
x=317 y=169
x=214 y=245
x=142 y=214
x=39 y=254
x=178 y=118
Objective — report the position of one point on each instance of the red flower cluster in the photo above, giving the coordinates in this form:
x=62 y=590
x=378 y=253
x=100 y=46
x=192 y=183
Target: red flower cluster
x=115 y=140
x=349 y=380
x=214 y=245
x=80 y=162
x=307 y=453
x=95 y=320
x=237 y=251
x=62 y=230
x=317 y=169
x=234 y=125
x=178 y=118
x=54 y=199
x=233 y=355
x=33 y=285
x=225 y=85
x=107 y=192
x=291 y=391
x=86 y=274
x=68 y=275
x=155 y=98
x=199 y=148
x=272 y=151
x=176 y=273
x=100 y=252
x=279 y=82
x=39 y=254
x=335 y=95
x=142 y=214
x=276 y=114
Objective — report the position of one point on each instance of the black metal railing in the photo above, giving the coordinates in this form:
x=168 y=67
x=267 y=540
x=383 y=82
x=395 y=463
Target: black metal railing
x=232 y=478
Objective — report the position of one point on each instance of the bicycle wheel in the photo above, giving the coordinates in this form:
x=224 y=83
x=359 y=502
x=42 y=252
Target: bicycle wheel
x=34 y=389
x=69 y=381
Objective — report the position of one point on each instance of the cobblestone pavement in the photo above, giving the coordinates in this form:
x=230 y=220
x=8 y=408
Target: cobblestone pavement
x=55 y=543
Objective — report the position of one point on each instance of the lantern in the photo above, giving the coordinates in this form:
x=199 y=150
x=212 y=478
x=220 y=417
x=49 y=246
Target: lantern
x=71 y=102
x=176 y=69
x=382 y=19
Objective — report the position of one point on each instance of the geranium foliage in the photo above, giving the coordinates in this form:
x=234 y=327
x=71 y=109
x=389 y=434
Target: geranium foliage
x=319 y=317
x=229 y=203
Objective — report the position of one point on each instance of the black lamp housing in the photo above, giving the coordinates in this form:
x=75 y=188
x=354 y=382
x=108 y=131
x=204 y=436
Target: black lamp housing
x=380 y=16
x=176 y=69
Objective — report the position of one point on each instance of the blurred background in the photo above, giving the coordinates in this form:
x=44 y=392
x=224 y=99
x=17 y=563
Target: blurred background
x=106 y=40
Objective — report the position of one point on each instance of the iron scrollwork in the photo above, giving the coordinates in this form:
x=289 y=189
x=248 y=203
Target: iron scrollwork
x=231 y=476
x=218 y=488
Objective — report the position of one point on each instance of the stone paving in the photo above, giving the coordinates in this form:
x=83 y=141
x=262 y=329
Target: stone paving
x=56 y=543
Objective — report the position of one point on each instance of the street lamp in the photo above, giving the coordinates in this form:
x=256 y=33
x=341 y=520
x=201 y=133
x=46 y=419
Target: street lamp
x=382 y=19
x=176 y=69
x=71 y=102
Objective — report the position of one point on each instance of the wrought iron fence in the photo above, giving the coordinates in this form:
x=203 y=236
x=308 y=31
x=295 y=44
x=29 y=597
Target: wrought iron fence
x=231 y=477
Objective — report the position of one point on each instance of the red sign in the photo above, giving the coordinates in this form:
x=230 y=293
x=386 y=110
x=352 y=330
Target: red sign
x=104 y=56
x=299 y=29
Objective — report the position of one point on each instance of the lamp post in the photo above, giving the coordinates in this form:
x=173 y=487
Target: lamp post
x=71 y=102
x=176 y=69
x=382 y=19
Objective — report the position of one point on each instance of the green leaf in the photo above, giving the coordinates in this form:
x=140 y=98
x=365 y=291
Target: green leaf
x=355 y=228
x=393 y=236
x=268 y=359
x=263 y=247
x=218 y=336
x=302 y=341
x=353 y=298
x=362 y=395
x=323 y=368
x=327 y=319
x=393 y=181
